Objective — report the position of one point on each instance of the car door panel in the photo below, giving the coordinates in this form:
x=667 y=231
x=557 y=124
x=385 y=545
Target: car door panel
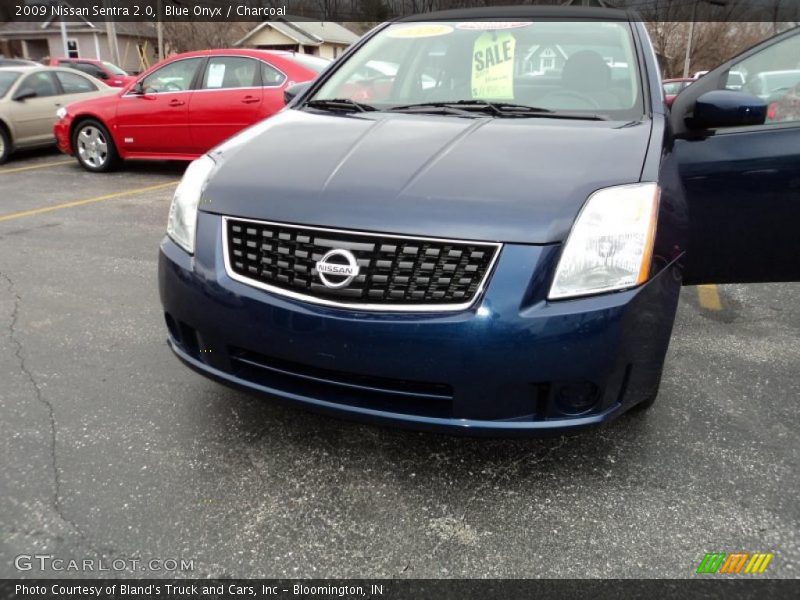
x=216 y=115
x=742 y=186
x=744 y=194
x=33 y=117
x=229 y=100
x=156 y=121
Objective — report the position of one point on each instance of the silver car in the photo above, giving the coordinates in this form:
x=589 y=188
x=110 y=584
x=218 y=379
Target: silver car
x=29 y=99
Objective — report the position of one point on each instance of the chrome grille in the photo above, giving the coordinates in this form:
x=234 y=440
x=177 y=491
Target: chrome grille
x=395 y=272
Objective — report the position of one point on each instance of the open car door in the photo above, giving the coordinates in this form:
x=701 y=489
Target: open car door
x=737 y=145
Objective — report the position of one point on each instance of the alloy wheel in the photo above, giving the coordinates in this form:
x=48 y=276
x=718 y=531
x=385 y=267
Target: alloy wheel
x=92 y=146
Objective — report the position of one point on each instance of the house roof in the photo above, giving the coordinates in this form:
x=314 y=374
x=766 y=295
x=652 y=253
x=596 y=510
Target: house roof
x=23 y=29
x=306 y=33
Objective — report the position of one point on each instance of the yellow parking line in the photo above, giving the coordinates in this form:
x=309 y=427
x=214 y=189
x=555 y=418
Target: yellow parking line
x=41 y=166
x=37 y=211
x=709 y=297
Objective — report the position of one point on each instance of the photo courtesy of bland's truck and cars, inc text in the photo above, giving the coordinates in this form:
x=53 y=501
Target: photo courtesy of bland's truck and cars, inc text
x=347 y=299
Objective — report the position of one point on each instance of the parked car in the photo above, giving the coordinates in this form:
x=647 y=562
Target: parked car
x=786 y=107
x=673 y=87
x=492 y=255
x=181 y=107
x=30 y=98
x=107 y=72
x=770 y=85
x=735 y=81
x=16 y=62
x=374 y=81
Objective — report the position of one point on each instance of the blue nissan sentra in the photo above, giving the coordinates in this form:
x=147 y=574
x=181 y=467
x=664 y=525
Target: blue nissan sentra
x=479 y=222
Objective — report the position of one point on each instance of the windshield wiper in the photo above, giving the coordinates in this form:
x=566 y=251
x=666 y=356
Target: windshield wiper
x=499 y=109
x=503 y=108
x=436 y=108
x=496 y=108
x=339 y=104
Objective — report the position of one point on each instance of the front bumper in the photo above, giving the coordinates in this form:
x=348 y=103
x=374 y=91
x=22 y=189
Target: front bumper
x=512 y=364
x=61 y=133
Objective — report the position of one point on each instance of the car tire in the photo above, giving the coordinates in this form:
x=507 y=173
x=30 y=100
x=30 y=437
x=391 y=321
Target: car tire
x=5 y=145
x=94 y=147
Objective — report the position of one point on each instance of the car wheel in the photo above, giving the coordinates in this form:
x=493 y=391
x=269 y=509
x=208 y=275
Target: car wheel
x=5 y=145
x=94 y=147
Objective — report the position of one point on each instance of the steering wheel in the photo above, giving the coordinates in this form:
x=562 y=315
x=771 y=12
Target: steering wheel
x=587 y=101
x=171 y=86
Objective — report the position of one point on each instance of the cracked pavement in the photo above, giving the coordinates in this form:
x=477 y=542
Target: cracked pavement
x=111 y=448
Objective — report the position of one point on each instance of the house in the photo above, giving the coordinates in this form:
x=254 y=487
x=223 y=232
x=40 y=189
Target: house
x=550 y=59
x=137 y=41
x=541 y=59
x=325 y=39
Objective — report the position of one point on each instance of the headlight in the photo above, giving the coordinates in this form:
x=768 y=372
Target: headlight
x=611 y=243
x=61 y=113
x=183 y=212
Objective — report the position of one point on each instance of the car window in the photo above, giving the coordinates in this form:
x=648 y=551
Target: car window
x=562 y=66
x=112 y=68
x=174 y=77
x=226 y=72
x=41 y=83
x=87 y=68
x=7 y=79
x=74 y=84
x=773 y=75
x=270 y=76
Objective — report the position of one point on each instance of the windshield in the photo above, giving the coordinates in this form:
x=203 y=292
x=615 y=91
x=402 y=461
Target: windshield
x=313 y=63
x=112 y=68
x=587 y=67
x=7 y=79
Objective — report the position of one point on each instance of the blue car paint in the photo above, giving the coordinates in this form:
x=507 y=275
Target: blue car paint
x=530 y=176
x=498 y=356
x=501 y=350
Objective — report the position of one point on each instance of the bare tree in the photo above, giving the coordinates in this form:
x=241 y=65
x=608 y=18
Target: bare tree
x=194 y=35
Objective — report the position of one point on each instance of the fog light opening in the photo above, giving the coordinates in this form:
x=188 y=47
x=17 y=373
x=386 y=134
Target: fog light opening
x=577 y=398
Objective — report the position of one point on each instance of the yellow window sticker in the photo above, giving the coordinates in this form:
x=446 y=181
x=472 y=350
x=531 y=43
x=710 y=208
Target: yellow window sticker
x=420 y=31
x=493 y=66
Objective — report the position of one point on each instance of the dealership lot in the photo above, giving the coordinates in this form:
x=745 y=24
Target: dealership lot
x=113 y=449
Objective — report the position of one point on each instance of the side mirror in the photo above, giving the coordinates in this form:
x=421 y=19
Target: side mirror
x=24 y=93
x=138 y=88
x=291 y=92
x=727 y=108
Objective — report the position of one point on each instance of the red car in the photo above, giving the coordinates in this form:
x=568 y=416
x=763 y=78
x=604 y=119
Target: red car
x=107 y=72
x=673 y=87
x=182 y=107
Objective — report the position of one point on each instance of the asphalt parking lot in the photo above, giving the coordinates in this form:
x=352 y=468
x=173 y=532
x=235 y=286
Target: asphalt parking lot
x=111 y=448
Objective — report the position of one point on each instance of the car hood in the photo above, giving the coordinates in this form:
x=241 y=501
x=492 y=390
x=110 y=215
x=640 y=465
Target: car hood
x=105 y=96
x=518 y=180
